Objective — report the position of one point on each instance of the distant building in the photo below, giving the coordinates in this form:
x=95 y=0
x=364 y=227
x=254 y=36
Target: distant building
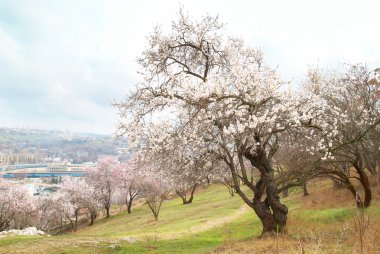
x=57 y=167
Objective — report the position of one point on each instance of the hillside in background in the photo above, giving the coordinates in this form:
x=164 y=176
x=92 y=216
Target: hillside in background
x=40 y=145
x=217 y=223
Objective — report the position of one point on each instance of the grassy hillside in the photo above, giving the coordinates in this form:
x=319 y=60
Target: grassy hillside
x=214 y=223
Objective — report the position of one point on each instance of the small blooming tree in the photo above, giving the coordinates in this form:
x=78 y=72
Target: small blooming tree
x=18 y=209
x=183 y=165
x=130 y=181
x=49 y=218
x=56 y=211
x=82 y=196
x=154 y=189
x=105 y=179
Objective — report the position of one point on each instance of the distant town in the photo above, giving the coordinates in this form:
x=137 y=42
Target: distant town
x=45 y=156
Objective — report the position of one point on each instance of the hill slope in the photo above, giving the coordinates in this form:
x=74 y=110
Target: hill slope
x=214 y=223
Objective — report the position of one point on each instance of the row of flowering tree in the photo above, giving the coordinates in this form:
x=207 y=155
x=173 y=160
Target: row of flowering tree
x=78 y=197
x=207 y=99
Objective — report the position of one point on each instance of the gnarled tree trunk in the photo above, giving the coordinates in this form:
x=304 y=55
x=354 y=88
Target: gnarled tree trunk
x=266 y=201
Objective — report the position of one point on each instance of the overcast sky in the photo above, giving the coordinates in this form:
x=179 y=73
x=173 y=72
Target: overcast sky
x=62 y=63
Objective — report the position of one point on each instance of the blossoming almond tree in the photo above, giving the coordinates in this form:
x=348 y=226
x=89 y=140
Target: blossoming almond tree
x=217 y=94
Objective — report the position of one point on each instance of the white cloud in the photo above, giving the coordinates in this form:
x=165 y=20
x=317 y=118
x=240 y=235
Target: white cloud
x=62 y=63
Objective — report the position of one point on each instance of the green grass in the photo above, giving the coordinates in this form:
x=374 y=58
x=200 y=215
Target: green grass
x=174 y=217
x=11 y=240
x=212 y=220
x=326 y=215
x=188 y=227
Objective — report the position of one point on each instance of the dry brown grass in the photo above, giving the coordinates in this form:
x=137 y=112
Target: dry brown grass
x=260 y=245
x=327 y=198
x=323 y=195
x=339 y=241
x=357 y=233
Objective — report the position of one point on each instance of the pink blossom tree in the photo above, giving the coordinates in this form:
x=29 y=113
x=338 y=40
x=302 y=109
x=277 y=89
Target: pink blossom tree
x=130 y=181
x=155 y=192
x=154 y=188
x=56 y=211
x=18 y=209
x=105 y=179
x=82 y=196
x=183 y=165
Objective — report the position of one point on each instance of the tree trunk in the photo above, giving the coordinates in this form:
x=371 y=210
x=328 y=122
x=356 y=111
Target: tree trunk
x=129 y=206
x=186 y=201
x=129 y=200
x=183 y=196
x=271 y=212
x=363 y=178
x=367 y=190
x=304 y=187
x=355 y=194
x=279 y=210
x=107 y=211
x=73 y=225
x=265 y=215
x=93 y=216
x=208 y=180
x=76 y=219
x=190 y=200
x=92 y=220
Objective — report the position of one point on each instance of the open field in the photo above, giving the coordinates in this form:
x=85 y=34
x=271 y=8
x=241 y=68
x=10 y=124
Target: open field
x=216 y=223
